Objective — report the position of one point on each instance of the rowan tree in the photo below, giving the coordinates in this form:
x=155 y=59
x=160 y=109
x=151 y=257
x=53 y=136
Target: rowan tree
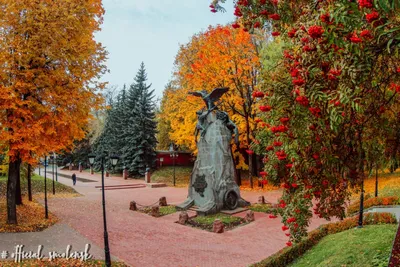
x=50 y=64
x=338 y=83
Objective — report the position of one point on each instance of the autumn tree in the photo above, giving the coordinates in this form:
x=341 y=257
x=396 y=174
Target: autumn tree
x=218 y=57
x=163 y=122
x=338 y=83
x=50 y=63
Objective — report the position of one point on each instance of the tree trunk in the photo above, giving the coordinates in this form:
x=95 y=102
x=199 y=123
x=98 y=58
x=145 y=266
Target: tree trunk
x=18 y=196
x=29 y=182
x=13 y=170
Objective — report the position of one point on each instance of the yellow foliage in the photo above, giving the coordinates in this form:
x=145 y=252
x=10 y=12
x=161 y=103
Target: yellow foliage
x=49 y=51
x=219 y=57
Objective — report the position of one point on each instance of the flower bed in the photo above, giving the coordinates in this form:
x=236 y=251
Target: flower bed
x=371 y=202
x=395 y=256
x=287 y=255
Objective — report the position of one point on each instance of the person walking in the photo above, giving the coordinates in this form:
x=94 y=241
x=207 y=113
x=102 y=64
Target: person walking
x=74 y=178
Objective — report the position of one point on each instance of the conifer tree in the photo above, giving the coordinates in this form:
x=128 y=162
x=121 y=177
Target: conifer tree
x=143 y=136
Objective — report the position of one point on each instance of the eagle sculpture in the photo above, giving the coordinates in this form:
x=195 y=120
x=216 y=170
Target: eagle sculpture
x=210 y=98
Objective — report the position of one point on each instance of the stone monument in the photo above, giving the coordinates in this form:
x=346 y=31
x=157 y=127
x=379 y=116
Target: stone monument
x=212 y=185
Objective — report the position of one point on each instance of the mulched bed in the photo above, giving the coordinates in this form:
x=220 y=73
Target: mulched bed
x=395 y=256
x=30 y=218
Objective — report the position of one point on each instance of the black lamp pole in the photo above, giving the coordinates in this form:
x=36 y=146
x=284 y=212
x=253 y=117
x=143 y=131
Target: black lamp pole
x=114 y=160
x=54 y=188
x=361 y=213
x=376 y=181
x=45 y=188
x=173 y=155
x=106 y=245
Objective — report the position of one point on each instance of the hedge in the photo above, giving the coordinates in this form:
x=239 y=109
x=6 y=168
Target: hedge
x=287 y=255
x=371 y=202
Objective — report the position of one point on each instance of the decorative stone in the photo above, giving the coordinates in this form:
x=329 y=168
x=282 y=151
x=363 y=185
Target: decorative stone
x=183 y=217
x=132 y=205
x=162 y=202
x=261 y=200
x=218 y=226
x=155 y=211
x=147 y=176
x=249 y=216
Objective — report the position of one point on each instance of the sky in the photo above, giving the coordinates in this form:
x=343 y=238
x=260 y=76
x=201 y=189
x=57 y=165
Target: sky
x=152 y=31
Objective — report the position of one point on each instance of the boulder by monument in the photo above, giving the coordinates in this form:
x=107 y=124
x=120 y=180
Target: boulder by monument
x=249 y=216
x=132 y=206
x=218 y=226
x=212 y=185
x=183 y=217
x=155 y=211
x=162 y=202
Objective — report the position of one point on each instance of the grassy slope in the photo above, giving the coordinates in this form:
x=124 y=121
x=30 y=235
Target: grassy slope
x=37 y=186
x=166 y=175
x=352 y=248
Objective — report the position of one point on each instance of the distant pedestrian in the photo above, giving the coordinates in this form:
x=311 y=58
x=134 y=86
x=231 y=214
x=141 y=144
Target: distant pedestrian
x=74 y=178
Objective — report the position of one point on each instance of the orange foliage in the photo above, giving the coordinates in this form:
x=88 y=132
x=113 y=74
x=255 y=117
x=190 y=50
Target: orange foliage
x=219 y=57
x=50 y=63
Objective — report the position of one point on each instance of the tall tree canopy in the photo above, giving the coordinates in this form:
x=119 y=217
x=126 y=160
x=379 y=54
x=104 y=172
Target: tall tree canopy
x=49 y=66
x=130 y=127
x=218 y=57
x=337 y=87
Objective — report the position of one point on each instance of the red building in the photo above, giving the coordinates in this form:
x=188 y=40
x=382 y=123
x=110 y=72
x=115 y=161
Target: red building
x=183 y=158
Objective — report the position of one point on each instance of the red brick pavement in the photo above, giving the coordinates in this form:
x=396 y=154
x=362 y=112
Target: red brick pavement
x=141 y=240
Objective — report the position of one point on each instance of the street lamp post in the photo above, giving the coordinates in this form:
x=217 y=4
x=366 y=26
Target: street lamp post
x=173 y=155
x=55 y=158
x=361 y=212
x=376 y=181
x=52 y=165
x=45 y=189
x=114 y=161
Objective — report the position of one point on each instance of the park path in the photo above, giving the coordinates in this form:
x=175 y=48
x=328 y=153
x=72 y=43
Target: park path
x=141 y=240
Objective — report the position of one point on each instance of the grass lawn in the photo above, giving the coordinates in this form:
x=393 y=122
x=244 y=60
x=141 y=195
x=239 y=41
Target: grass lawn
x=388 y=184
x=267 y=208
x=38 y=187
x=368 y=246
x=166 y=175
x=209 y=220
x=164 y=210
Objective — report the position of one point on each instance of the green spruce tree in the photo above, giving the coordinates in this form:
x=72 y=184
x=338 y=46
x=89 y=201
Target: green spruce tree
x=142 y=137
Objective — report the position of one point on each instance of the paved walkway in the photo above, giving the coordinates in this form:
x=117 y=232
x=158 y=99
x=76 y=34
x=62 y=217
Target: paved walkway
x=141 y=240
x=56 y=238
